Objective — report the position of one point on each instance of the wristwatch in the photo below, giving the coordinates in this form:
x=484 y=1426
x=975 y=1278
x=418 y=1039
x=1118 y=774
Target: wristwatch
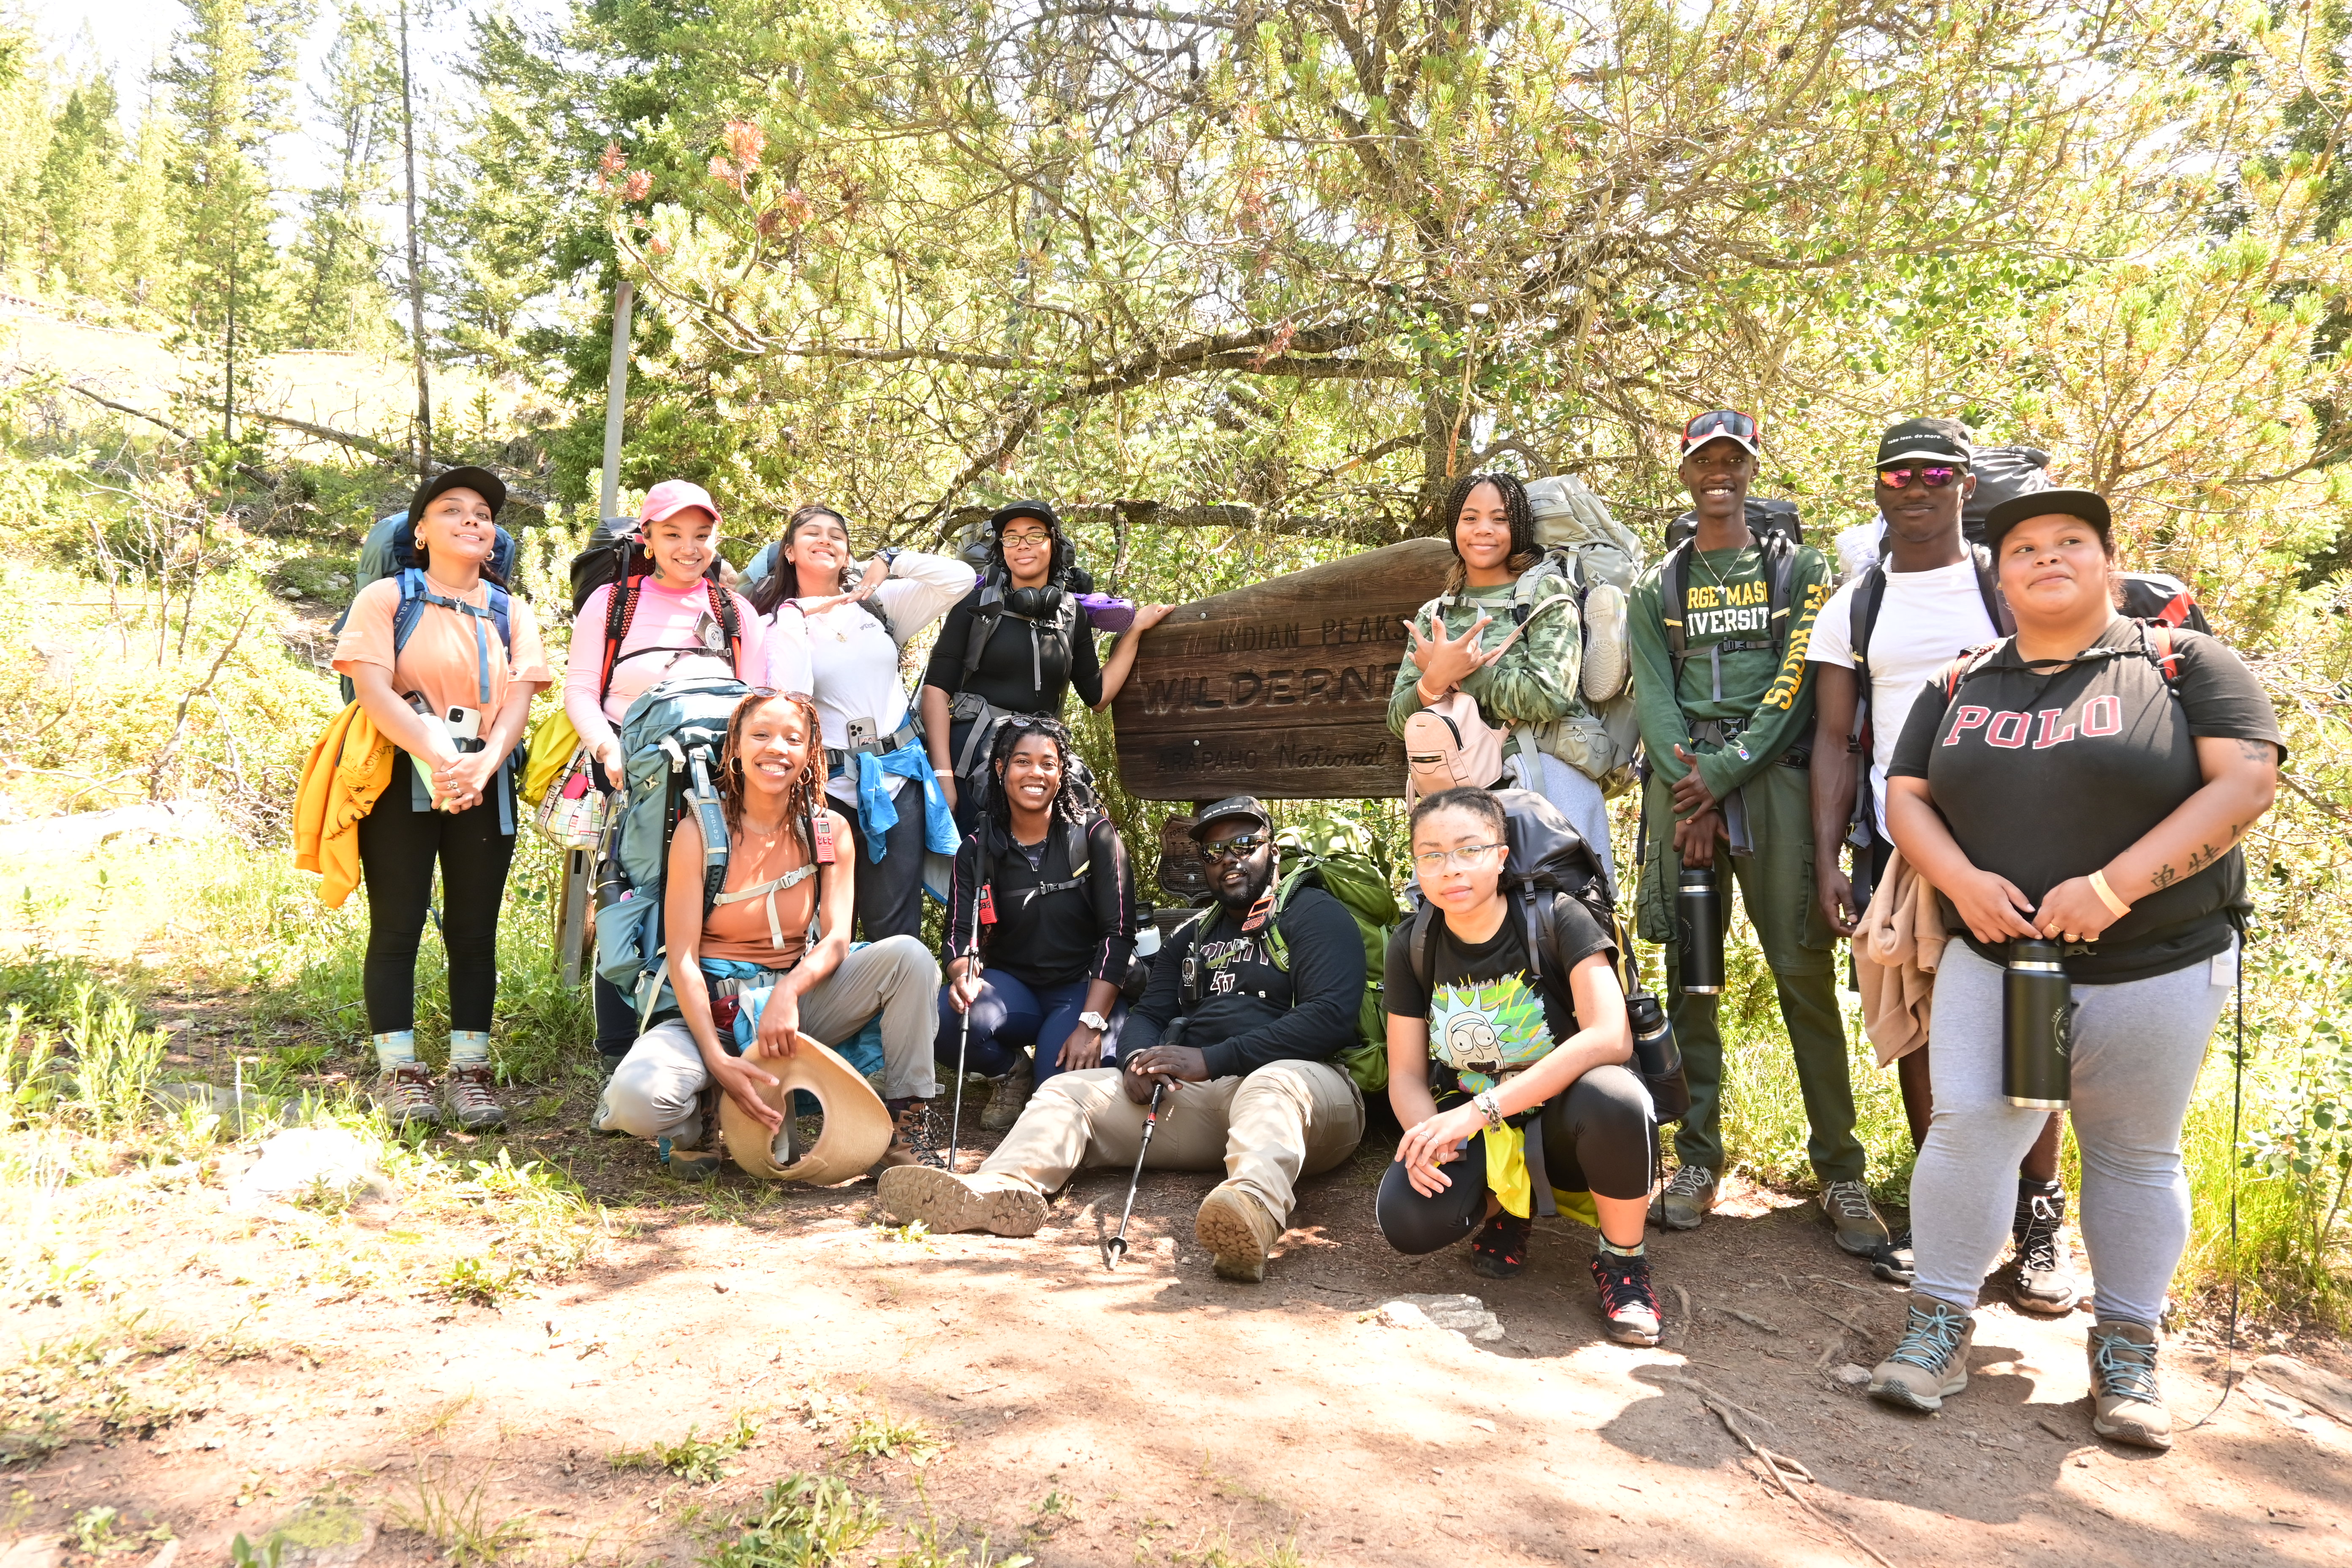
x=1094 y=1020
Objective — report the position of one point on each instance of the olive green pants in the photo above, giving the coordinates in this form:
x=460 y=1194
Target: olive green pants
x=1777 y=886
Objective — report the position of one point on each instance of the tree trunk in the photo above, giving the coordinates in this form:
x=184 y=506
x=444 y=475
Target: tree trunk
x=415 y=259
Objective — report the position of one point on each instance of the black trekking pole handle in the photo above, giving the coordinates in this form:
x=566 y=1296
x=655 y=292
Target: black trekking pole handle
x=1118 y=1247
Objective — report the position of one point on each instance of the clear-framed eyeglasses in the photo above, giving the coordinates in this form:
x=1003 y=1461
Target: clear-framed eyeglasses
x=1465 y=858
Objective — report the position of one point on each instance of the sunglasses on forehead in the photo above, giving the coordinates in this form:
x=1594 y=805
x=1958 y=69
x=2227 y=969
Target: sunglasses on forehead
x=1935 y=478
x=1722 y=421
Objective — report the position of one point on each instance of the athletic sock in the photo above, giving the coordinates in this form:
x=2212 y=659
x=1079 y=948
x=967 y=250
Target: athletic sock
x=469 y=1048
x=395 y=1050
x=1611 y=1249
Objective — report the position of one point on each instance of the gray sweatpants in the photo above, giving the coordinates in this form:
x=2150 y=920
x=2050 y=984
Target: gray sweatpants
x=652 y=1091
x=2138 y=1048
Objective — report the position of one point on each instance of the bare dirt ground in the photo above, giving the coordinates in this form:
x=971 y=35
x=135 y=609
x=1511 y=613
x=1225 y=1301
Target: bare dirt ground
x=1154 y=1415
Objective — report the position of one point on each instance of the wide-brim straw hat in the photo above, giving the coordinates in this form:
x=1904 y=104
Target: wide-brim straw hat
x=857 y=1123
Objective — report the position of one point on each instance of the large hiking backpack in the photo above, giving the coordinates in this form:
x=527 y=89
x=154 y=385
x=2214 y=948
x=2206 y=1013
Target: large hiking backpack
x=390 y=550
x=622 y=559
x=2003 y=473
x=1356 y=880
x=1550 y=861
x=670 y=741
x=1608 y=558
x=1765 y=516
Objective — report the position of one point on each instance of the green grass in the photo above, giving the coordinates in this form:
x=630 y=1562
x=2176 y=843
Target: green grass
x=701 y=1461
x=801 y=1521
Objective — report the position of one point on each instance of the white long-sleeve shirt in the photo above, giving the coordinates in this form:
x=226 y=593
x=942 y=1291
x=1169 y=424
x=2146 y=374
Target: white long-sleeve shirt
x=844 y=660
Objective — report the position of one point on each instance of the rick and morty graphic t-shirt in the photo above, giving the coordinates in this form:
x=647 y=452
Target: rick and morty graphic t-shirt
x=1486 y=1015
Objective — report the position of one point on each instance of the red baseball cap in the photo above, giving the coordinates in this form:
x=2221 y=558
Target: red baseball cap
x=671 y=497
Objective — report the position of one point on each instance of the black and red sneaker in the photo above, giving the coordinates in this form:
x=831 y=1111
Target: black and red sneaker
x=1500 y=1250
x=1628 y=1304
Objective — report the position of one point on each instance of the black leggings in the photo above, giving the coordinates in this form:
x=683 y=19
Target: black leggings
x=398 y=846
x=889 y=892
x=1599 y=1137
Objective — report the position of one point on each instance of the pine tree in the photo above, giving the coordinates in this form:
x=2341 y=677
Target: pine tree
x=148 y=274
x=23 y=140
x=340 y=300
x=82 y=192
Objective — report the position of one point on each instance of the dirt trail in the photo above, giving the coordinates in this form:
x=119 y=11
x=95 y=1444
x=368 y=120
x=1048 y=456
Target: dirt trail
x=1154 y=1415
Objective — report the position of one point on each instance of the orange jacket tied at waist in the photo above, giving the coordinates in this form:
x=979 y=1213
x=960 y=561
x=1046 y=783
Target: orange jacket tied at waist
x=349 y=768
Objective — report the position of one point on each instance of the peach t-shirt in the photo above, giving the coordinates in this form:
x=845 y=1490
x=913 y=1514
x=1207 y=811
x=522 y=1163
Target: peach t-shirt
x=741 y=930
x=440 y=659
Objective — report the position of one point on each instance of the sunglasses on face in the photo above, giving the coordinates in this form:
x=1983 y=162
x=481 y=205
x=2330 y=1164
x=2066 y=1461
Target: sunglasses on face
x=1934 y=478
x=1241 y=849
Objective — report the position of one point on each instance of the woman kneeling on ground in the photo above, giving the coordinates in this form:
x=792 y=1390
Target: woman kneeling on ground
x=454 y=666
x=782 y=919
x=1512 y=1046
x=1042 y=893
x=2088 y=783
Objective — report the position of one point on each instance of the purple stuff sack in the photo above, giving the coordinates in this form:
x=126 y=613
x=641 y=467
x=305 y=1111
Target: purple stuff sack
x=1107 y=614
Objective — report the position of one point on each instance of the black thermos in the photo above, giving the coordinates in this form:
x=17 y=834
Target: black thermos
x=2037 y=1006
x=1656 y=1058
x=1699 y=932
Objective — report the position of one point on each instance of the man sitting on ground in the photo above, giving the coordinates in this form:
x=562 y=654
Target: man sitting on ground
x=1248 y=1007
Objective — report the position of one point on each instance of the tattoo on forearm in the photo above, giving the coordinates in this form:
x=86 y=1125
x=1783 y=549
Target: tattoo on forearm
x=2203 y=855
x=2256 y=750
x=2165 y=876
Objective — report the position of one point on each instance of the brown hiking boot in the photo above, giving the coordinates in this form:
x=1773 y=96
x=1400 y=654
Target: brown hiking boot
x=1001 y=1206
x=2125 y=1403
x=407 y=1096
x=911 y=1141
x=1008 y=1096
x=1238 y=1232
x=472 y=1106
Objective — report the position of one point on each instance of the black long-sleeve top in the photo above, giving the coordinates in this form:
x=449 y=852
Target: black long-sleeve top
x=1250 y=1012
x=1024 y=668
x=1086 y=932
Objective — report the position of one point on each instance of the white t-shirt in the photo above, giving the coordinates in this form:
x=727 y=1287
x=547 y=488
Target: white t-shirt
x=848 y=665
x=1925 y=620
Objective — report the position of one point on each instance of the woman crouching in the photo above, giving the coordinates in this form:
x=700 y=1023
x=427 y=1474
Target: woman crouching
x=1553 y=1056
x=781 y=918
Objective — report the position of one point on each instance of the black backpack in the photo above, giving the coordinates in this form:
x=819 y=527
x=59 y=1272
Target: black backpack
x=2003 y=473
x=1064 y=628
x=622 y=559
x=1779 y=551
x=1764 y=517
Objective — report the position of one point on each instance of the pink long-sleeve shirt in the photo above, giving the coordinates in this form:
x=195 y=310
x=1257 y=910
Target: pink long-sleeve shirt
x=667 y=638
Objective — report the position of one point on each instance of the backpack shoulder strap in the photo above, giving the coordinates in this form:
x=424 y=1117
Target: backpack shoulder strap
x=2157 y=639
x=1996 y=602
x=502 y=617
x=620 y=608
x=730 y=621
x=1869 y=596
x=1674 y=600
x=1956 y=674
x=1779 y=553
x=984 y=616
x=1422 y=945
x=410 y=609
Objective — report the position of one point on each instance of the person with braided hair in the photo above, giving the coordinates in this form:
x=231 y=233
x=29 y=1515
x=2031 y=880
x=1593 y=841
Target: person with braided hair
x=1040 y=925
x=781 y=919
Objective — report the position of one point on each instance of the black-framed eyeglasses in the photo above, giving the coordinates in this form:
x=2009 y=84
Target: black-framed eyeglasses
x=1935 y=478
x=1728 y=422
x=1240 y=848
x=1032 y=539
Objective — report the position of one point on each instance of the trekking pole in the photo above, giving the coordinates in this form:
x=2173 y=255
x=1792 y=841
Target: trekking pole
x=1118 y=1247
x=963 y=1034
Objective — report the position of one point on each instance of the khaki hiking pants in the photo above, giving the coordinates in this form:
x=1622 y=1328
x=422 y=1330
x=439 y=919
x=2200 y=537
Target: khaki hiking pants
x=1286 y=1120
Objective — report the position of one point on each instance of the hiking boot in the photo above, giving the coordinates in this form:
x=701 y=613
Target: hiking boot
x=1892 y=1262
x=1859 y=1230
x=1688 y=1194
x=1628 y=1304
x=1500 y=1250
x=1001 y=1206
x=472 y=1106
x=1238 y=1232
x=683 y=1165
x=407 y=1096
x=912 y=1142
x=2043 y=1284
x=2125 y=1404
x=1008 y=1096
x=1930 y=1363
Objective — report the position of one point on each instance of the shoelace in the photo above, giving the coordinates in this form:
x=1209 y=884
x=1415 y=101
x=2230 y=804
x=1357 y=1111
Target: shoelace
x=1622 y=1285
x=410 y=1090
x=469 y=1089
x=2127 y=1369
x=2037 y=1250
x=1931 y=1338
x=1689 y=1180
x=1848 y=1200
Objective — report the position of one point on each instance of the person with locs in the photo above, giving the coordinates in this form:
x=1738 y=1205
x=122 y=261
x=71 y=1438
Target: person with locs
x=781 y=920
x=840 y=641
x=1019 y=643
x=671 y=622
x=1041 y=927
x=1552 y=1049
x=452 y=695
x=1523 y=674
x=1898 y=624
x=1248 y=1008
x=2089 y=782
x=1719 y=630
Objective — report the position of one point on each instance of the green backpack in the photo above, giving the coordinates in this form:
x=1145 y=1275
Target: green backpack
x=1356 y=880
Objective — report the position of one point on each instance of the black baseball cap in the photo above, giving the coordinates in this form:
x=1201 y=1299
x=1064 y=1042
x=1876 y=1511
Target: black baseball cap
x=1729 y=425
x=1001 y=518
x=481 y=481
x=2088 y=505
x=1924 y=441
x=1233 y=805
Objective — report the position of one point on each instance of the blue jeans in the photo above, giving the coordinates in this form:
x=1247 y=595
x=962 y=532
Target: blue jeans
x=1009 y=1014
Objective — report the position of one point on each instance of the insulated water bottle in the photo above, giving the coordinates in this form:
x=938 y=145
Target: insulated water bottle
x=2037 y=1015
x=1656 y=1058
x=1699 y=932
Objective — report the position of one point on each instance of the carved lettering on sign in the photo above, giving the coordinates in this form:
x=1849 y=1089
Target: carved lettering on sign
x=1281 y=688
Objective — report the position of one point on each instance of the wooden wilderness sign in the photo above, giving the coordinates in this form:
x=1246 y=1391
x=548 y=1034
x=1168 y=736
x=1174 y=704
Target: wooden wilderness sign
x=1280 y=689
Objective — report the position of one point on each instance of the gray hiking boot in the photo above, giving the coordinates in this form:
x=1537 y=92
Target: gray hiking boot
x=1001 y=1206
x=1688 y=1194
x=1008 y=1096
x=472 y=1106
x=2043 y=1284
x=1930 y=1362
x=2125 y=1403
x=407 y=1096
x=1860 y=1231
